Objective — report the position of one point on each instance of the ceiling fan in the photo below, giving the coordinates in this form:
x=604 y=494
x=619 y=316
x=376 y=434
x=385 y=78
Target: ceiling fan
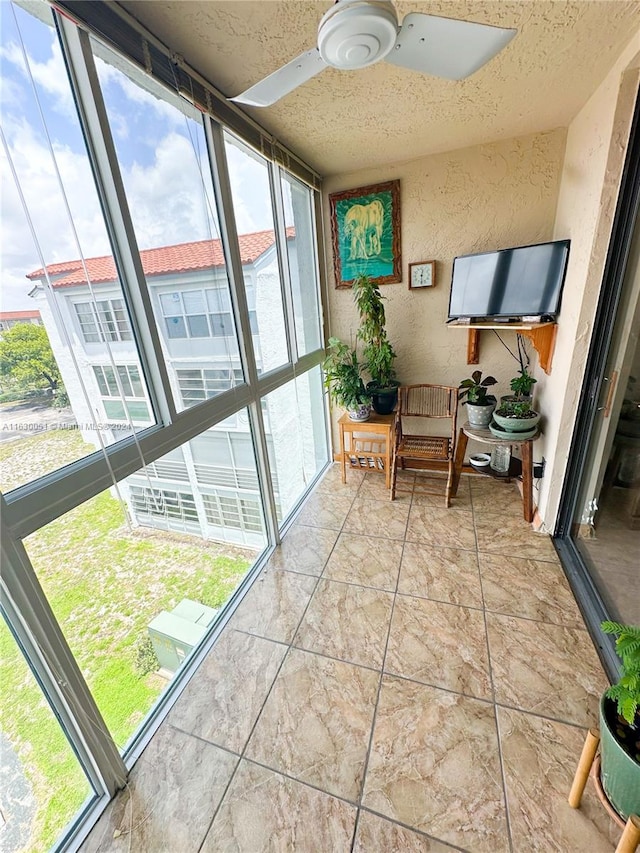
x=357 y=33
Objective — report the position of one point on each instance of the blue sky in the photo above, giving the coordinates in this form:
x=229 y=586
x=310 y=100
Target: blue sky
x=160 y=146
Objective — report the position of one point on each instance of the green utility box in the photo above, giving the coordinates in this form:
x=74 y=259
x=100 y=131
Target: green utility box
x=174 y=634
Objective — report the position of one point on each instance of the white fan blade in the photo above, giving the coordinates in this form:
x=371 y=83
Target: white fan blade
x=446 y=47
x=283 y=81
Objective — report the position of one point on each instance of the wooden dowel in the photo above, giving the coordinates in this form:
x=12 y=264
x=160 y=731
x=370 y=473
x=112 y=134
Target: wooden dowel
x=582 y=773
x=631 y=836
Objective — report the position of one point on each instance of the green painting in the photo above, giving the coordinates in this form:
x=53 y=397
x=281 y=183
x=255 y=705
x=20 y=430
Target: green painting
x=365 y=231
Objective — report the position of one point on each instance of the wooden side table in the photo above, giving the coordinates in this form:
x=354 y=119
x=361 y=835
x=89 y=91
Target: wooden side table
x=371 y=455
x=485 y=436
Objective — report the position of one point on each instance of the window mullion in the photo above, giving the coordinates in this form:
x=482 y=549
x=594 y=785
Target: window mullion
x=101 y=150
x=55 y=667
x=323 y=292
x=283 y=260
x=231 y=246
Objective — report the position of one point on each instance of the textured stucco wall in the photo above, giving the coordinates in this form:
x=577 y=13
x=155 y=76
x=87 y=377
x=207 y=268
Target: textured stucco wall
x=596 y=147
x=472 y=200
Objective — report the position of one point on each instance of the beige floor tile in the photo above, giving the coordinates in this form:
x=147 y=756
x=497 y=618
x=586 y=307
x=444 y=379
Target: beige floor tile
x=316 y=723
x=264 y=812
x=434 y=765
x=377 y=835
x=347 y=622
x=440 y=644
x=512 y=537
x=385 y=519
x=173 y=792
x=224 y=697
x=448 y=528
x=424 y=485
x=532 y=589
x=545 y=669
x=425 y=479
x=374 y=488
x=494 y=496
x=324 y=509
x=461 y=503
x=540 y=758
x=443 y=574
x=364 y=561
x=304 y=549
x=332 y=481
x=274 y=605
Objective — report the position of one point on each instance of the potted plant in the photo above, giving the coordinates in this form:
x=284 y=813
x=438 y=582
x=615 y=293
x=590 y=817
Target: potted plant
x=480 y=405
x=523 y=383
x=620 y=725
x=343 y=380
x=377 y=350
x=516 y=416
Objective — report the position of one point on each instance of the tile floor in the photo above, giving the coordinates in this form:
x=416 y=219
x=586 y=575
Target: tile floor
x=400 y=677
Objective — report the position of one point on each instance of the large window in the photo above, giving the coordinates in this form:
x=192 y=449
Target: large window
x=200 y=314
x=198 y=384
x=251 y=191
x=55 y=258
x=122 y=391
x=163 y=159
x=298 y=447
x=103 y=320
x=163 y=409
x=303 y=268
x=43 y=784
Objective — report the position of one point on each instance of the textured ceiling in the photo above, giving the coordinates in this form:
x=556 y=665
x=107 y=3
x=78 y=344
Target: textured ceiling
x=341 y=121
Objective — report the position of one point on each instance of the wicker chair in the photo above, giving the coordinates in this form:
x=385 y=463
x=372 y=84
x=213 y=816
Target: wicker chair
x=432 y=402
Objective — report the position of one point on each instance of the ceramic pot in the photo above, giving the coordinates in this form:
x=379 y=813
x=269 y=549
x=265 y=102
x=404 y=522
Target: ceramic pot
x=619 y=771
x=517 y=424
x=362 y=413
x=479 y=414
x=383 y=399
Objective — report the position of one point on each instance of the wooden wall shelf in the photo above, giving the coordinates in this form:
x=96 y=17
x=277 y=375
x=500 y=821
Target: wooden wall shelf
x=542 y=336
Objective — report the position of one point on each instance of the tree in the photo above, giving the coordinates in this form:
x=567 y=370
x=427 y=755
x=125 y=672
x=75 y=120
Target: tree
x=27 y=360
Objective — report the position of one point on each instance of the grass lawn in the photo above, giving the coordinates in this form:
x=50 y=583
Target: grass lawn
x=105 y=583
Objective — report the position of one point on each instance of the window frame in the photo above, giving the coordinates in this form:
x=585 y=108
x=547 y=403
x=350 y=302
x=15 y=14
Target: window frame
x=117 y=334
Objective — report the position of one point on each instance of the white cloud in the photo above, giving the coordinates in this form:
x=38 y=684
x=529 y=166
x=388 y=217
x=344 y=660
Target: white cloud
x=167 y=199
x=45 y=203
x=49 y=76
x=164 y=190
x=251 y=194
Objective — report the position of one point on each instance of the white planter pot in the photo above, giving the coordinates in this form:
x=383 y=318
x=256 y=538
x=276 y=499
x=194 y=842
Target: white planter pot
x=480 y=415
x=361 y=413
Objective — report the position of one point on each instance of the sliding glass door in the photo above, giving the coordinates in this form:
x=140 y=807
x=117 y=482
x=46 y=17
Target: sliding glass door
x=598 y=531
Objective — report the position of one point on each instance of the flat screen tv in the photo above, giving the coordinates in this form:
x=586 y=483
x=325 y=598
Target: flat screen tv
x=509 y=284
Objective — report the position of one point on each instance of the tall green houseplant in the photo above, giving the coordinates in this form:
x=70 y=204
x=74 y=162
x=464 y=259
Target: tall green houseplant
x=377 y=351
x=343 y=381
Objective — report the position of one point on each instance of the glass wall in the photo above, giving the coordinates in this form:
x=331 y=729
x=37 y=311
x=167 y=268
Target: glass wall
x=164 y=163
x=57 y=266
x=303 y=266
x=254 y=216
x=149 y=474
x=43 y=784
x=298 y=450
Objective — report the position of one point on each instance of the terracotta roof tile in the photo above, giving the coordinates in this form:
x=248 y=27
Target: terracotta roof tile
x=184 y=257
x=19 y=315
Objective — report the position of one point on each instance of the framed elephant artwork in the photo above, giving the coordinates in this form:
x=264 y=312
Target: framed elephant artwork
x=365 y=234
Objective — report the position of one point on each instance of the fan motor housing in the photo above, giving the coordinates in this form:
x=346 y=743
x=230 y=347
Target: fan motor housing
x=357 y=33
